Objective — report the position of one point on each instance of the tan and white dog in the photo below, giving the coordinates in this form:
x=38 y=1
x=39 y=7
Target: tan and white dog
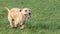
x=18 y=16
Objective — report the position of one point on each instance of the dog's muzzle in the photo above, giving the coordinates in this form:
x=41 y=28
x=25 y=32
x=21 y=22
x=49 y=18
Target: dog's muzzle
x=28 y=15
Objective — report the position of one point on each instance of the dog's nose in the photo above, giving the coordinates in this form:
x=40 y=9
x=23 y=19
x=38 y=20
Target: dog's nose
x=29 y=13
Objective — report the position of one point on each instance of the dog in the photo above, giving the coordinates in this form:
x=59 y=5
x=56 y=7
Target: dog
x=19 y=16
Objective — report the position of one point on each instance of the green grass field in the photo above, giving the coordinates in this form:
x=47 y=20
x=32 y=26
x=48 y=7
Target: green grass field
x=45 y=16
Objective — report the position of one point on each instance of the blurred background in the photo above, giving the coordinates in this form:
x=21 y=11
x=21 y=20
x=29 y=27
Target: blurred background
x=45 y=16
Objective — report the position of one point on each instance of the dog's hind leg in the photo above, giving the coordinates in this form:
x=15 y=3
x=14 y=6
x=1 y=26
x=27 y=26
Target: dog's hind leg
x=10 y=20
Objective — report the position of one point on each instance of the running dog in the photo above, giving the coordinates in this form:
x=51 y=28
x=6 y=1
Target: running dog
x=18 y=16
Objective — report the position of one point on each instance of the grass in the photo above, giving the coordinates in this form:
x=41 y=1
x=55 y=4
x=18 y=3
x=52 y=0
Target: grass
x=45 y=16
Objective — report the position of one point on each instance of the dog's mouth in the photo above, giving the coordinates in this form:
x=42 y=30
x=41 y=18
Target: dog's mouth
x=27 y=16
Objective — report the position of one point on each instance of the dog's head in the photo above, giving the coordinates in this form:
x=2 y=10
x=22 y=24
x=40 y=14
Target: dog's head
x=26 y=12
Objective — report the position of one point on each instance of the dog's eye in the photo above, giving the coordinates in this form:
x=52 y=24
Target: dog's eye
x=20 y=10
x=25 y=10
x=29 y=10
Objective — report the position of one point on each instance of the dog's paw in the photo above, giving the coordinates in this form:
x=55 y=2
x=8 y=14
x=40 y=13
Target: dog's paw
x=15 y=27
x=22 y=27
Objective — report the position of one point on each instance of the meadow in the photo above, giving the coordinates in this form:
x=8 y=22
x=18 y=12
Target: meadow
x=45 y=17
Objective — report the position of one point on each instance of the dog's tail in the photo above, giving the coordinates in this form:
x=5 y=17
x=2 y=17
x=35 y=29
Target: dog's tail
x=7 y=9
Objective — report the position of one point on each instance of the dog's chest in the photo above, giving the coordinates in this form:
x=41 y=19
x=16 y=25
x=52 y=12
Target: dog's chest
x=22 y=18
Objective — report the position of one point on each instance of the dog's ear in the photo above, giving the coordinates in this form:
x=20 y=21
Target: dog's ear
x=20 y=11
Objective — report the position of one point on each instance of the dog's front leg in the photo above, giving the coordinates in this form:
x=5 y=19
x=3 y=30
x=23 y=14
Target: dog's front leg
x=16 y=22
x=22 y=25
